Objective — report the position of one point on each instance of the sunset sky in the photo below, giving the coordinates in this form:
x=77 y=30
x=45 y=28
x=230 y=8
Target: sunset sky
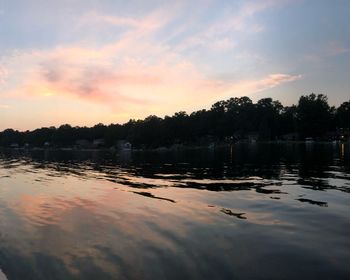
x=87 y=61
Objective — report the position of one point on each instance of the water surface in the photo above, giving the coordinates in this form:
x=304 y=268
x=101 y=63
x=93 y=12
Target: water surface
x=259 y=211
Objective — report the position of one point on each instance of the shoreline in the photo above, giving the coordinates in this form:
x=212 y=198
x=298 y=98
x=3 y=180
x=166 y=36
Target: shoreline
x=172 y=148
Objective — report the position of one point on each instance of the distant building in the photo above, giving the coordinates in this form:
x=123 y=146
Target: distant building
x=98 y=143
x=343 y=134
x=253 y=137
x=123 y=145
x=14 y=145
x=231 y=139
x=207 y=140
x=290 y=136
x=83 y=143
x=309 y=140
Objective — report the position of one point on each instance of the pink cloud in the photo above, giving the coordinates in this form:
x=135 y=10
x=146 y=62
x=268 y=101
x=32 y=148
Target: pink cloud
x=331 y=49
x=131 y=76
x=336 y=48
x=151 y=22
x=241 y=21
x=133 y=87
x=3 y=74
x=274 y=80
x=249 y=87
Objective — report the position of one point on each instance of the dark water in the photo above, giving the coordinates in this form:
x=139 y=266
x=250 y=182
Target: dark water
x=250 y=212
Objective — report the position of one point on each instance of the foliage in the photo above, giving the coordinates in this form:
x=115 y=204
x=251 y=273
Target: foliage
x=227 y=120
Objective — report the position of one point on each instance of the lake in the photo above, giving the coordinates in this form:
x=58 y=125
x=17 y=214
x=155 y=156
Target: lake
x=251 y=211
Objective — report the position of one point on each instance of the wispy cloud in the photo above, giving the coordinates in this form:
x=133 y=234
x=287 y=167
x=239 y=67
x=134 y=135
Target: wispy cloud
x=252 y=86
x=3 y=74
x=152 y=21
x=328 y=50
x=220 y=34
x=166 y=84
x=336 y=48
x=136 y=72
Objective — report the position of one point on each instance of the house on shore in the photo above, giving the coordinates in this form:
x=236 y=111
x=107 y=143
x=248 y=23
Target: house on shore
x=123 y=145
x=83 y=143
x=14 y=145
x=98 y=143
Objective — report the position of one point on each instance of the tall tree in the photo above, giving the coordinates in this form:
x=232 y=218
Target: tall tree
x=268 y=117
x=343 y=115
x=314 y=115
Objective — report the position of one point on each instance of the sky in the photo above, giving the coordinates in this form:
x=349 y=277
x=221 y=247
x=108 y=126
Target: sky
x=84 y=62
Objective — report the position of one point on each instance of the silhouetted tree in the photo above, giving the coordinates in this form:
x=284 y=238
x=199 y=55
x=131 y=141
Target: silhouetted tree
x=343 y=115
x=314 y=115
x=288 y=120
x=234 y=118
x=268 y=113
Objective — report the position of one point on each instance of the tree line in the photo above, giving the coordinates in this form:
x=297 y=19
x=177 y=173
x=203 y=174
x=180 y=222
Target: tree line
x=235 y=119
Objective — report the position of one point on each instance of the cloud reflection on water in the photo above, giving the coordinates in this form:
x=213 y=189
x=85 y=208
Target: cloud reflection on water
x=81 y=217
